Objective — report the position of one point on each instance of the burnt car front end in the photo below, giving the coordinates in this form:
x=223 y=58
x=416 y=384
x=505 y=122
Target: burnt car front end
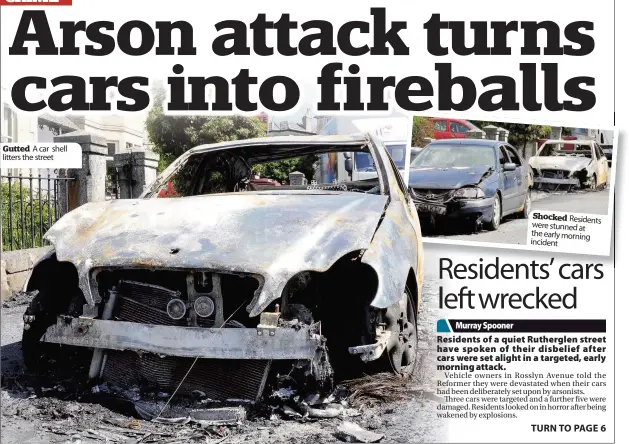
x=564 y=165
x=204 y=294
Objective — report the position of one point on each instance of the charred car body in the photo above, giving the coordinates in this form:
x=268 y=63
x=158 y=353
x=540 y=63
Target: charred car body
x=481 y=181
x=214 y=286
x=581 y=164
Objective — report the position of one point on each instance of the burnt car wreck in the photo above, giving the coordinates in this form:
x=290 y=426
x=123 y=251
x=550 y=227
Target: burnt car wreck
x=228 y=283
x=579 y=164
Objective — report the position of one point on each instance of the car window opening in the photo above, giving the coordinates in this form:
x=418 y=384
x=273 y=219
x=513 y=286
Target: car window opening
x=258 y=169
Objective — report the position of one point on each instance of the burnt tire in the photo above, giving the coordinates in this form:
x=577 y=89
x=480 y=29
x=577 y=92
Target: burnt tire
x=496 y=215
x=401 y=355
x=594 y=183
x=34 y=352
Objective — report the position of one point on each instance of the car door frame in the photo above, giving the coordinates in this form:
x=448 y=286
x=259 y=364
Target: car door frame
x=521 y=177
x=602 y=166
x=509 y=188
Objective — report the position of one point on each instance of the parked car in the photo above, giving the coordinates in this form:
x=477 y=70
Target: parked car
x=446 y=128
x=219 y=281
x=581 y=164
x=474 y=179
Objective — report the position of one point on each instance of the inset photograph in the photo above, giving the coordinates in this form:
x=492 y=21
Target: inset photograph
x=479 y=180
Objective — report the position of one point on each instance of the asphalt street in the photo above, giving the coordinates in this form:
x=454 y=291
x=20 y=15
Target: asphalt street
x=513 y=231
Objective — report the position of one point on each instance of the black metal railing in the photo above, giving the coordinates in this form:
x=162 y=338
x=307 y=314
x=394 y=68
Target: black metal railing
x=112 y=184
x=30 y=205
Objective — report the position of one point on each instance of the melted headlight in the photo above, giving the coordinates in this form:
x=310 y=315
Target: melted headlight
x=469 y=193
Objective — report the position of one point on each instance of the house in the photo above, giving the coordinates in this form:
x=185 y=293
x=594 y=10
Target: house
x=121 y=132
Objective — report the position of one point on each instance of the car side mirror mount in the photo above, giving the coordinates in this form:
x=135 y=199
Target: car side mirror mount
x=349 y=165
x=509 y=166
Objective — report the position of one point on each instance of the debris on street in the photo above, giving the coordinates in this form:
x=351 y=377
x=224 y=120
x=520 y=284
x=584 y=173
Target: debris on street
x=19 y=298
x=381 y=388
x=56 y=407
x=351 y=432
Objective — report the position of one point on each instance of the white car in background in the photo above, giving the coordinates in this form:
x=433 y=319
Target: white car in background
x=570 y=163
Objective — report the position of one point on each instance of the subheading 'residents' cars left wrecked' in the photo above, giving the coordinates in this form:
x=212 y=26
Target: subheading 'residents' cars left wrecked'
x=227 y=276
x=478 y=180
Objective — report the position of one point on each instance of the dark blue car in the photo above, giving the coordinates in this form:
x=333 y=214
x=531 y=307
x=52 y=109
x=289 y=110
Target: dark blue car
x=479 y=180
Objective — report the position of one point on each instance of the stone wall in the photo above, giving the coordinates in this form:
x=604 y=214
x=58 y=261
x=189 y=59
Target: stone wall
x=15 y=267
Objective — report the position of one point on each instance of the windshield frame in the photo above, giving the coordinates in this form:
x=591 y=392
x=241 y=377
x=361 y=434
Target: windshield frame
x=152 y=191
x=577 y=146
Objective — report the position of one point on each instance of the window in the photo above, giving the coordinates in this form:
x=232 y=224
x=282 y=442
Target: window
x=458 y=128
x=260 y=169
x=398 y=154
x=440 y=125
x=9 y=125
x=455 y=156
x=364 y=162
x=112 y=148
x=129 y=146
x=503 y=155
x=513 y=155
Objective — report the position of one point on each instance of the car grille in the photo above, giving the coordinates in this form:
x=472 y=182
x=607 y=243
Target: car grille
x=143 y=296
x=145 y=304
x=555 y=174
x=436 y=196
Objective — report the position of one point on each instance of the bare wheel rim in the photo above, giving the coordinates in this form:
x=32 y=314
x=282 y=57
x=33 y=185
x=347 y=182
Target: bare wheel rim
x=403 y=355
x=497 y=211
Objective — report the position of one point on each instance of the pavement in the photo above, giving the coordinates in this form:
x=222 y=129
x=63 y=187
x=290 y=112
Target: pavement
x=28 y=418
x=514 y=231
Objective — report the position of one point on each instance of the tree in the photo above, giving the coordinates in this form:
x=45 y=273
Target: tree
x=519 y=134
x=422 y=128
x=174 y=135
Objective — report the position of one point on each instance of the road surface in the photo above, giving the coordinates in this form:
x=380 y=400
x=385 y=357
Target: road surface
x=514 y=231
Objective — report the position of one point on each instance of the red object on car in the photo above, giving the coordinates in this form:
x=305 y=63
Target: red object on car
x=169 y=191
x=452 y=128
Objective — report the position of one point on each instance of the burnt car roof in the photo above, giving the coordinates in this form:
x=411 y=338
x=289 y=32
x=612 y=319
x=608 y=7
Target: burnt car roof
x=356 y=140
